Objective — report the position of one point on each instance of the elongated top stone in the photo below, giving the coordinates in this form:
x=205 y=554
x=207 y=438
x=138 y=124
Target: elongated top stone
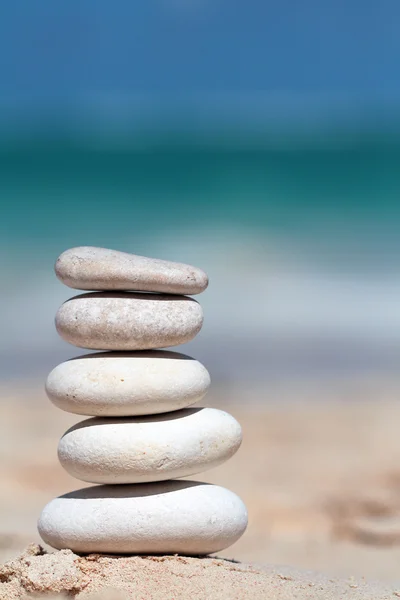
x=128 y=321
x=90 y=268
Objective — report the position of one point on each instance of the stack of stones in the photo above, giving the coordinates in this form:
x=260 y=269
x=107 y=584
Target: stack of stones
x=142 y=435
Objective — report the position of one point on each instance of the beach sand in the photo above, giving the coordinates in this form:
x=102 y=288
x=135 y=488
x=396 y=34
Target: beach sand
x=319 y=470
x=99 y=577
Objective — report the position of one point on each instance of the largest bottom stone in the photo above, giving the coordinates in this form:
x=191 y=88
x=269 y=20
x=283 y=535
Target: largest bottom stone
x=182 y=517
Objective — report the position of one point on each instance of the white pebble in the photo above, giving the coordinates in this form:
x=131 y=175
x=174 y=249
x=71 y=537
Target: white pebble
x=128 y=321
x=152 y=448
x=90 y=268
x=182 y=517
x=122 y=384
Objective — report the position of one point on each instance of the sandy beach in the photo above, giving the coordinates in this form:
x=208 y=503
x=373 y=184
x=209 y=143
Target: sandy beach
x=318 y=470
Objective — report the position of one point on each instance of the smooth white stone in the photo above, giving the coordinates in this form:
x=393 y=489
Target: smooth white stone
x=153 y=448
x=182 y=517
x=128 y=321
x=121 y=384
x=90 y=268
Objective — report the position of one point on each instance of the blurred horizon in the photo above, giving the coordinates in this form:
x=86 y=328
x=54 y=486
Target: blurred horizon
x=260 y=142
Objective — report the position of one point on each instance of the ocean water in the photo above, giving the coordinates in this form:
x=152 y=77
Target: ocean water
x=300 y=236
x=341 y=192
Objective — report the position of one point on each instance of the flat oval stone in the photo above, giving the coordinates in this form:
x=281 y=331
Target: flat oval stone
x=173 y=517
x=128 y=321
x=152 y=448
x=126 y=384
x=90 y=268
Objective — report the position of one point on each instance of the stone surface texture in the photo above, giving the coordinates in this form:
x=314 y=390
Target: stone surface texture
x=142 y=436
x=128 y=321
x=120 y=384
x=183 y=517
x=90 y=268
x=152 y=448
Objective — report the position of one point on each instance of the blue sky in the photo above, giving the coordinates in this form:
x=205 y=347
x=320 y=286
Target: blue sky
x=57 y=52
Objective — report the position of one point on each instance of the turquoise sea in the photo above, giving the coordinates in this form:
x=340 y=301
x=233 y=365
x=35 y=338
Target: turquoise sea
x=337 y=193
x=299 y=233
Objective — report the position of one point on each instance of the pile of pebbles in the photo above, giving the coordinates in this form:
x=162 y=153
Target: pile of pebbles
x=142 y=435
